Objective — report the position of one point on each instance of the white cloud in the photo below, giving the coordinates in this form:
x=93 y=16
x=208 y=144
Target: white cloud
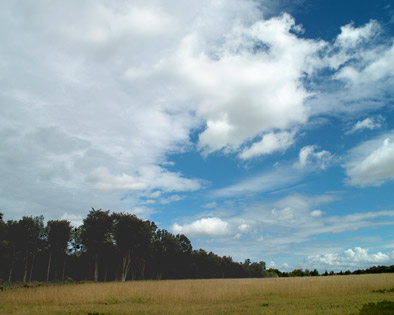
x=380 y=67
x=242 y=92
x=155 y=194
x=152 y=177
x=159 y=178
x=116 y=89
x=308 y=155
x=371 y=163
x=357 y=258
x=316 y=213
x=368 y=123
x=270 y=143
x=170 y=199
x=285 y=267
x=350 y=44
x=277 y=178
x=363 y=72
x=210 y=205
x=75 y=219
x=204 y=227
x=289 y=226
x=291 y=223
x=244 y=227
x=291 y=212
x=102 y=179
x=351 y=37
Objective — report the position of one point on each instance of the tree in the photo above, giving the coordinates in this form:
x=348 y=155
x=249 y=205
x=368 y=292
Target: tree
x=31 y=230
x=13 y=243
x=95 y=234
x=165 y=252
x=3 y=246
x=132 y=237
x=184 y=251
x=58 y=232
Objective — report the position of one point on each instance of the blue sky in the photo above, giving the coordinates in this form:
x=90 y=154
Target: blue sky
x=259 y=129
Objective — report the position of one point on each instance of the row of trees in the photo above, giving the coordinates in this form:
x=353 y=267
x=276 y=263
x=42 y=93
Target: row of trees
x=117 y=246
x=307 y=273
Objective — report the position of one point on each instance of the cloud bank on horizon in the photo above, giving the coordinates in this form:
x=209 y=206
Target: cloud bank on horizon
x=162 y=108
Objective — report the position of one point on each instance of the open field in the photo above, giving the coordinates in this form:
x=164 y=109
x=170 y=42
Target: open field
x=309 y=295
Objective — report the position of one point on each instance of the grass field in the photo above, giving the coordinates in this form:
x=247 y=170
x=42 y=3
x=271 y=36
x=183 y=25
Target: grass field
x=309 y=295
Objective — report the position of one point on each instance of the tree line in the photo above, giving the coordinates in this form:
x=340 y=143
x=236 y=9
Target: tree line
x=107 y=247
x=313 y=273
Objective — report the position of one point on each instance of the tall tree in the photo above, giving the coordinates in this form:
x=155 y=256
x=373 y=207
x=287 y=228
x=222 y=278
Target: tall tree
x=172 y=254
x=31 y=230
x=58 y=232
x=132 y=237
x=3 y=246
x=13 y=244
x=95 y=234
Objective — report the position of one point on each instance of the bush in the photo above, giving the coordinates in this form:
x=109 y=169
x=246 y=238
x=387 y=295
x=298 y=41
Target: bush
x=385 y=308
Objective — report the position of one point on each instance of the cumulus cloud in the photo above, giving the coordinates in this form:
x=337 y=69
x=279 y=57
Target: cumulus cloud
x=240 y=89
x=246 y=94
x=378 y=68
x=351 y=37
x=356 y=258
x=371 y=163
x=362 y=65
x=104 y=97
x=352 y=44
x=213 y=226
x=309 y=155
x=270 y=143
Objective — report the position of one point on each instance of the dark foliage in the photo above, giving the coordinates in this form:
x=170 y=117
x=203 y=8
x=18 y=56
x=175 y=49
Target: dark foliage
x=107 y=247
x=119 y=247
x=384 y=308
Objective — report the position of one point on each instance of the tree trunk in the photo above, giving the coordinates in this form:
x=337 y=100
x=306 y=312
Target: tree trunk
x=49 y=265
x=64 y=268
x=133 y=273
x=96 y=268
x=10 y=274
x=11 y=263
x=126 y=263
x=32 y=263
x=25 y=269
x=142 y=270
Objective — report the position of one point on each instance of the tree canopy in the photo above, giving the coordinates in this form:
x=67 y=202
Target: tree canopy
x=106 y=247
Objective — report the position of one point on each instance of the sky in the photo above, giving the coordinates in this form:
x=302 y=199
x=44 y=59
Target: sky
x=260 y=129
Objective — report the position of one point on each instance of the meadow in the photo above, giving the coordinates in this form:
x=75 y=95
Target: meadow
x=307 y=295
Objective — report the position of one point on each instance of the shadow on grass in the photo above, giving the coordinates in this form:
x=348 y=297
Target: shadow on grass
x=381 y=308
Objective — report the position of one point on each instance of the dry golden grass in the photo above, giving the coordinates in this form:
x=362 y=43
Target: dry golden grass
x=312 y=295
